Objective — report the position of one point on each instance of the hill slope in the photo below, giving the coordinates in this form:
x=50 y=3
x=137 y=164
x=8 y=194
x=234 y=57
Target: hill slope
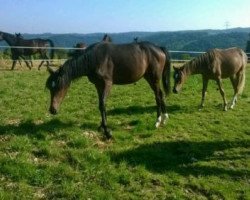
x=200 y=40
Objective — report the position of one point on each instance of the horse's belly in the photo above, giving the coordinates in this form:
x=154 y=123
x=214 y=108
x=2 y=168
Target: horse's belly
x=126 y=79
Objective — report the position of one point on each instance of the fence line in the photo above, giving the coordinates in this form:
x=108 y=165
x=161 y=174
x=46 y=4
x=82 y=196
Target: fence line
x=76 y=48
x=25 y=47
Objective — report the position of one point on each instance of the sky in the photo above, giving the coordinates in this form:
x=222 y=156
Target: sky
x=113 y=16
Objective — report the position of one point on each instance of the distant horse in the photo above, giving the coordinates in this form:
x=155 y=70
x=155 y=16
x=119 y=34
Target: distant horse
x=216 y=64
x=106 y=64
x=37 y=46
x=79 y=51
x=136 y=39
x=18 y=36
x=106 y=38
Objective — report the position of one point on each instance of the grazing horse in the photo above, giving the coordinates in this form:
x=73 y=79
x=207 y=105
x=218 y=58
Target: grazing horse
x=37 y=46
x=216 y=64
x=106 y=64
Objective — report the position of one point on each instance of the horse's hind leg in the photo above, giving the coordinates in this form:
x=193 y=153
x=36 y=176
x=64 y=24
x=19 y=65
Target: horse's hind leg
x=234 y=81
x=238 y=82
x=219 y=82
x=27 y=64
x=161 y=107
x=103 y=91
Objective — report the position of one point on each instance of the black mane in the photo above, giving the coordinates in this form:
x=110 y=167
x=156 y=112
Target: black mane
x=70 y=70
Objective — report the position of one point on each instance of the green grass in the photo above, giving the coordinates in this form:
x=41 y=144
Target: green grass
x=196 y=155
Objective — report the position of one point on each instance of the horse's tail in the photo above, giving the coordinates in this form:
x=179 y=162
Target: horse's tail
x=242 y=77
x=52 y=50
x=166 y=72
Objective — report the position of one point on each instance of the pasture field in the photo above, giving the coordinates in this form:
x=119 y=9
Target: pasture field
x=196 y=155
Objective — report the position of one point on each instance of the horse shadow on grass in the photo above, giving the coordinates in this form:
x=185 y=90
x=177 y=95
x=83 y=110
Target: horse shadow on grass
x=184 y=157
x=130 y=110
x=32 y=129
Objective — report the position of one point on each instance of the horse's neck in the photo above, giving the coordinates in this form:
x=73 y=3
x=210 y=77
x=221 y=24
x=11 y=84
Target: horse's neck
x=10 y=39
x=191 y=68
x=77 y=68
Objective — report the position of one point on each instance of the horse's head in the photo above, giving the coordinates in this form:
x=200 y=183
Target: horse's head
x=58 y=88
x=178 y=79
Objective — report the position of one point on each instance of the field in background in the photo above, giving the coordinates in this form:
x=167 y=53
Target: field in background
x=196 y=155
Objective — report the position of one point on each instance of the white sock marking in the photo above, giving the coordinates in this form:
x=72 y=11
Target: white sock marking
x=158 y=122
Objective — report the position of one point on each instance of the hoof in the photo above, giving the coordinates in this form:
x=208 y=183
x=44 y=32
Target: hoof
x=165 y=117
x=158 y=122
x=108 y=135
x=161 y=120
x=232 y=106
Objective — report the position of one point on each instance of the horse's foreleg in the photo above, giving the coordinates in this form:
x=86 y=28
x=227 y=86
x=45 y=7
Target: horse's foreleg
x=204 y=91
x=20 y=63
x=103 y=91
x=31 y=63
x=219 y=82
x=27 y=64
x=13 y=64
x=40 y=65
x=164 y=114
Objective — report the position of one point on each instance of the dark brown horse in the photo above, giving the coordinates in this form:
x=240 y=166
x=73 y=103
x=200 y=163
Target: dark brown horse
x=37 y=45
x=106 y=64
x=80 y=47
x=216 y=64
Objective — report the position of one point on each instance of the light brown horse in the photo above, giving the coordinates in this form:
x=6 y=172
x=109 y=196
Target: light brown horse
x=216 y=64
x=106 y=64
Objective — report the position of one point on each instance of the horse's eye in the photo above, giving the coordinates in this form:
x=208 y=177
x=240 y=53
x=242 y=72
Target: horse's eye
x=176 y=76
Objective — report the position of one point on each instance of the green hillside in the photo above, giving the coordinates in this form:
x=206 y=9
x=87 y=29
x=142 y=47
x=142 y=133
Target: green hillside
x=200 y=40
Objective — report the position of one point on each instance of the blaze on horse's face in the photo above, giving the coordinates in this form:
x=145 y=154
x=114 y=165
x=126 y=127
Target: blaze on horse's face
x=57 y=91
x=178 y=79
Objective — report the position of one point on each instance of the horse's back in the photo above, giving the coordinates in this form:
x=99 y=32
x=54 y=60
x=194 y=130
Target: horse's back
x=125 y=63
x=230 y=60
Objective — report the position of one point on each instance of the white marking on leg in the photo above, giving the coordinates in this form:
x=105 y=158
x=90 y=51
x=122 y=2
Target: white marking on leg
x=165 y=116
x=158 y=122
x=233 y=102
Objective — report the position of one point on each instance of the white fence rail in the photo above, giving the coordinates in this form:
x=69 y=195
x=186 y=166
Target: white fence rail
x=75 y=48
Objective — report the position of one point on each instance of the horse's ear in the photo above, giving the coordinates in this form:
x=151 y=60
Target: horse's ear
x=50 y=70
